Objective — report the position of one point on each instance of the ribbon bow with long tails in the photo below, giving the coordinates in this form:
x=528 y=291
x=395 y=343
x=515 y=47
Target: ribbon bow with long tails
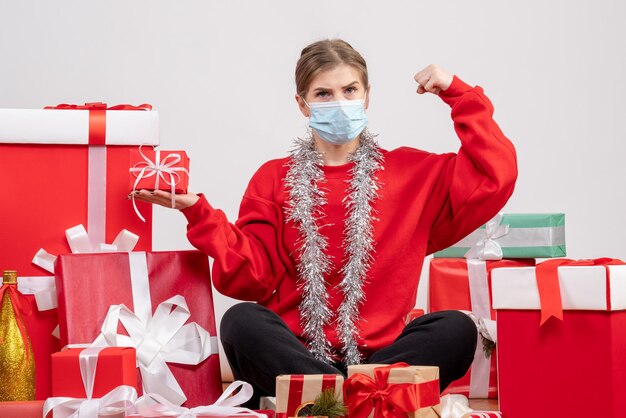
x=154 y=405
x=488 y=248
x=363 y=394
x=159 y=339
x=160 y=168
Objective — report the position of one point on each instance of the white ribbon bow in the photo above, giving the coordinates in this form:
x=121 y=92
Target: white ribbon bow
x=486 y=327
x=120 y=400
x=488 y=248
x=79 y=242
x=154 y=405
x=159 y=168
x=457 y=406
x=454 y=406
x=159 y=340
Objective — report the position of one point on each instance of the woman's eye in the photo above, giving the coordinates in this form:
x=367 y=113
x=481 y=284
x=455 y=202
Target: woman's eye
x=351 y=90
x=322 y=94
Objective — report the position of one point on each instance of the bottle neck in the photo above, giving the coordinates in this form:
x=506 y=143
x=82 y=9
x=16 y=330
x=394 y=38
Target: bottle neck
x=9 y=277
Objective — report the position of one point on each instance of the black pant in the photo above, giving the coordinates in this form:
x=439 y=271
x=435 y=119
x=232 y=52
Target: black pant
x=259 y=346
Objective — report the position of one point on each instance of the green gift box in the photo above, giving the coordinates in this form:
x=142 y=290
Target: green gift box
x=513 y=235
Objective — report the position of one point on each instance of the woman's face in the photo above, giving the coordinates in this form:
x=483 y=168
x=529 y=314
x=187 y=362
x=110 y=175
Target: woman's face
x=340 y=83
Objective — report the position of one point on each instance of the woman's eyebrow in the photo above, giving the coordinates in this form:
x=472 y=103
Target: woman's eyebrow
x=351 y=84
x=328 y=88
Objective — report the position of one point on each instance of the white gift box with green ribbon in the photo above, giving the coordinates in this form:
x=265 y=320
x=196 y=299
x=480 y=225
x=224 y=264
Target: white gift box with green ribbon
x=513 y=235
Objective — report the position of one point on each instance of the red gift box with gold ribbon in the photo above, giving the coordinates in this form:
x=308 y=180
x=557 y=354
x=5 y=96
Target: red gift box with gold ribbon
x=460 y=284
x=64 y=167
x=562 y=333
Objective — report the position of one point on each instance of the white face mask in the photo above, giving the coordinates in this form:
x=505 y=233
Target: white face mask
x=338 y=122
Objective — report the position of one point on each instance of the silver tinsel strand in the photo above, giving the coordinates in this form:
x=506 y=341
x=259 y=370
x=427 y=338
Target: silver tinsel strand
x=358 y=242
x=305 y=201
x=305 y=210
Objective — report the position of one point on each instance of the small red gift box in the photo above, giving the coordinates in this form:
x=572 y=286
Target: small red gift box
x=152 y=169
x=113 y=366
x=76 y=158
x=562 y=363
x=151 y=285
x=460 y=284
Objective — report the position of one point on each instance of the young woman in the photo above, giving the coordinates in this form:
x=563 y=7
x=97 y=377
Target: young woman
x=330 y=240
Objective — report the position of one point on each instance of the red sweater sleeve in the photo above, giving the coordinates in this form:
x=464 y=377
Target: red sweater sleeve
x=476 y=182
x=249 y=260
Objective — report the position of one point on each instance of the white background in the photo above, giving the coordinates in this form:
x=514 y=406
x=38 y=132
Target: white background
x=221 y=76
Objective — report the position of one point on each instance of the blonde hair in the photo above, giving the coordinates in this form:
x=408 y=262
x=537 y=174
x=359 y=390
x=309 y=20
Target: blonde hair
x=326 y=55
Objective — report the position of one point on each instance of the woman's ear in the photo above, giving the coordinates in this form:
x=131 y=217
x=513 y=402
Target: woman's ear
x=367 y=97
x=304 y=109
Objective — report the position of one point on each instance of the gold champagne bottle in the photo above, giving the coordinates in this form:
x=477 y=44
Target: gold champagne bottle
x=17 y=363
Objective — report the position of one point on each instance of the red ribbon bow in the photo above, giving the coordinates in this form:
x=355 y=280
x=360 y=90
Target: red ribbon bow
x=97 y=117
x=99 y=106
x=20 y=306
x=363 y=394
x=548 y=283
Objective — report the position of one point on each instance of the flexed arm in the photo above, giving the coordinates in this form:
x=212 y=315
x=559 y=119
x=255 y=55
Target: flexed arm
x=476 y=182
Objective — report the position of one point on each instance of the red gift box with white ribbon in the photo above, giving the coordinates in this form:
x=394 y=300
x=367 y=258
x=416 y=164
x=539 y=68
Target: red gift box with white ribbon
x=562 y=338
x=460 y=284
x=64 y=167
x=152 y=169
x=158 y=302
x=92 y=372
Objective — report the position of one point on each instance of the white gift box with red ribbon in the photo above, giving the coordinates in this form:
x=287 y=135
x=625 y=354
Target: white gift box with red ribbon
x=581 y=355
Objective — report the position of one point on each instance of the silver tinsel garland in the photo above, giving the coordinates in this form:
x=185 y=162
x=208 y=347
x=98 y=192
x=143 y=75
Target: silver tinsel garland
x=306 y=199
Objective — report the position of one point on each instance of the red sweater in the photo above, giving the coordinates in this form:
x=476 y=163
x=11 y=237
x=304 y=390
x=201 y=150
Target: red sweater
x=426 y=202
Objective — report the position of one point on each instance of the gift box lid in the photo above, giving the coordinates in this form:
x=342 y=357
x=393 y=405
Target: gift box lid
x=582 y=288
x=73 y=352
x=53 y=126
